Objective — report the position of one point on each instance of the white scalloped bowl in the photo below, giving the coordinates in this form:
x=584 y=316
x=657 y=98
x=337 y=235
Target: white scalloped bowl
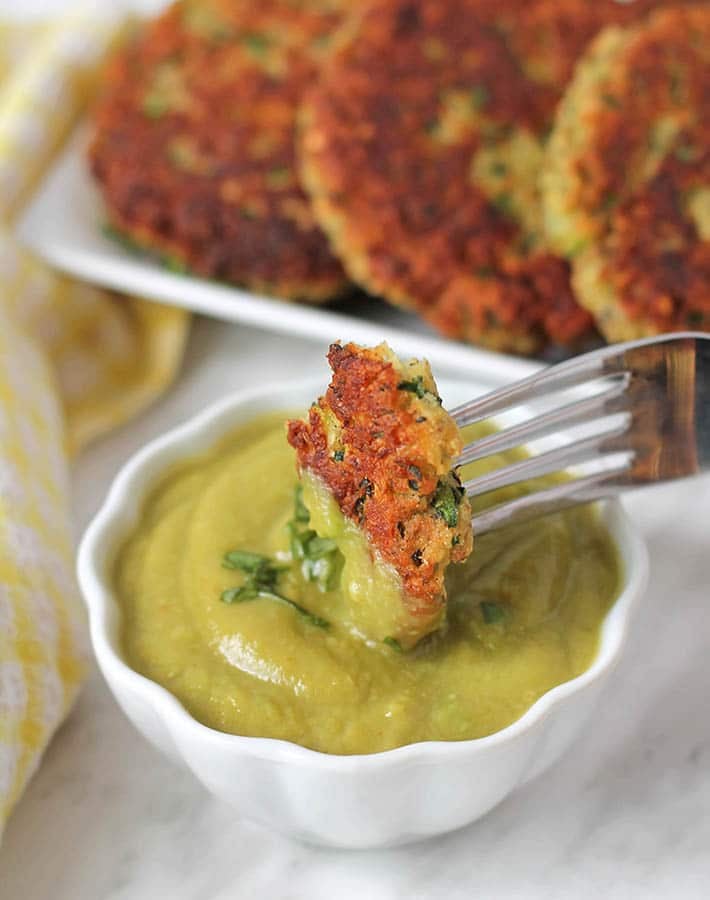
x=360 y=801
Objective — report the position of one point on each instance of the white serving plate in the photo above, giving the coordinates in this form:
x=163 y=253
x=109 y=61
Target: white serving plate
x=375 y=800
x=63 y=224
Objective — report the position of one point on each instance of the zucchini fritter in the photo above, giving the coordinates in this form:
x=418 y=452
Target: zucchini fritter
x=194 y=142
x=627 y=176
x=421 y=148
x=383 y=446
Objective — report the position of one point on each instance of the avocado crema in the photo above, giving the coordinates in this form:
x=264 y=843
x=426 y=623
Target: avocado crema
x=233 y=582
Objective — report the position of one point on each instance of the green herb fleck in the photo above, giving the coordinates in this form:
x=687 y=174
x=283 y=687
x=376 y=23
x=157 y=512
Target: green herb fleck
x=261 y=578
x=695 y=318
x=246 y=592
x=498 y=168
x=480 y=95
x=300 y=510
x=173 y=264
x=256 y=43
x=239 y=594
x=446 y=504
x=611 y=101
x=504 y=203
x=393 y=643
x=686 y=153
x=246 y=561
x=280 y=177
x=492 y=612
x=609 y=201
x=298 y=539
x=154 y=105
x=456 y=540
x=577 y=247
x=339 y=455
x=321 y=561
x=416 y=386
x=170 y=262
x=528 y=242
x=120 y=237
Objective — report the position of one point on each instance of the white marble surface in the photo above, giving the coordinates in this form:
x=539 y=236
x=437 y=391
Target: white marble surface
x=626 y=814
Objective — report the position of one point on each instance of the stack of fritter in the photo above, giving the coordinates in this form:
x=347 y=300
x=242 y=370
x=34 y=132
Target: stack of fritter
x=435 y=155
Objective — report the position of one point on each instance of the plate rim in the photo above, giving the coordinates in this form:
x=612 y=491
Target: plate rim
x=110 y=266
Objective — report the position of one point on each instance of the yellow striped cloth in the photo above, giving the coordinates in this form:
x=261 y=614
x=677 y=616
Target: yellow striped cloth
x=75 y=361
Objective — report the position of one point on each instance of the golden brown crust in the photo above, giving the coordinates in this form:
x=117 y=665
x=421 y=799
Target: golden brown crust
x=628 y=186
x=384 y=452
x=550 y=36
x=193 y=143
x=419 y=147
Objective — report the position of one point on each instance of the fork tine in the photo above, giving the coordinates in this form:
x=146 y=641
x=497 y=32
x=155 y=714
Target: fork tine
x=560 y=496
x=557 y=419
x=556 y=378
x=574 y=453
x=654 y=425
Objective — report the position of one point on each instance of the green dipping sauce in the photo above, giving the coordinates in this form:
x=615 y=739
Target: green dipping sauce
x=524 y=615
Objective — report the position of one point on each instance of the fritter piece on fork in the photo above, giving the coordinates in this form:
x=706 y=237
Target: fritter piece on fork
x=378 y=449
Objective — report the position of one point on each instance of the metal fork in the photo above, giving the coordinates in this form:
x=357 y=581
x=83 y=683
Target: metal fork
x=644 y=411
